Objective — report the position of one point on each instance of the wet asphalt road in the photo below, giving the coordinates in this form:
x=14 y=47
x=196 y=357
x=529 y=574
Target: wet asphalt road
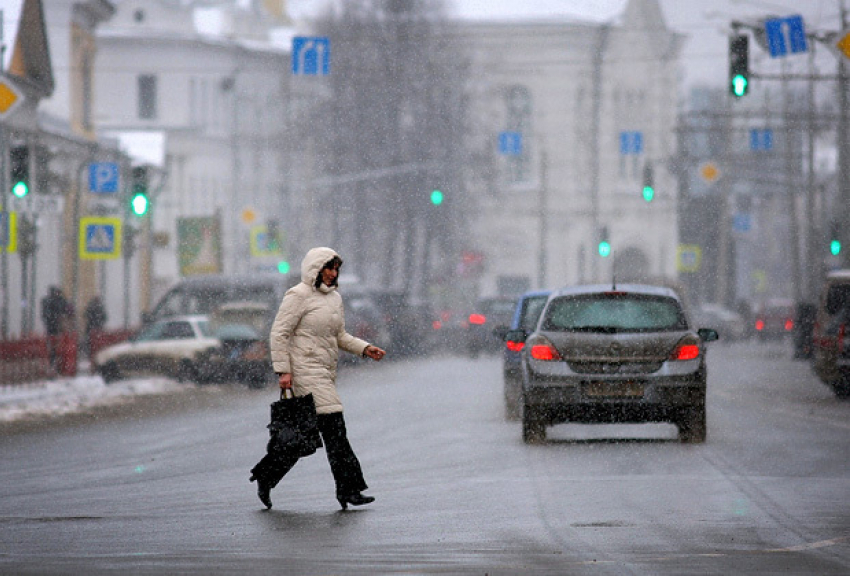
x=162 y=487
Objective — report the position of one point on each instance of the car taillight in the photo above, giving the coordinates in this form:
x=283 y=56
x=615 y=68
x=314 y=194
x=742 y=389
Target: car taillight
x=789 y=325
x=477 y=319
x=840 y=344
x=542 y=349
x=436 y=324
x=686 y=349
x=515 y=346
x=759 y=324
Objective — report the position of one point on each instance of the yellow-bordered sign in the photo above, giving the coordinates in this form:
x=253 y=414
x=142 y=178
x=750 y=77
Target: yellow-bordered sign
x=688 y=257
x=265 y=244
x=100 y=238
x=9 y=231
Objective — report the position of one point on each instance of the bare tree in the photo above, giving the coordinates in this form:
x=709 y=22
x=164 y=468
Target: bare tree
x=392 y=131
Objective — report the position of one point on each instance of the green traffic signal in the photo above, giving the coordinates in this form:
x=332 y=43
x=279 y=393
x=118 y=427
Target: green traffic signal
x=140 y=204
x=835 y=247
x=436 y=197
x=648 y=193
x=20 y=189
x=739 y=85
x=604 y=249
x=283 y=267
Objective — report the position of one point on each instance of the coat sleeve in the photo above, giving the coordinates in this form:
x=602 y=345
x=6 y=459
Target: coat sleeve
x=288 y=316
x=346 y=341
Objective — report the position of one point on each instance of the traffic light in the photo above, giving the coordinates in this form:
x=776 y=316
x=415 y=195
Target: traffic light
x=604 y=244
x=436 y=197
x=19 y=158
x=739 y=65
x=283 y=267
x=139 y=201
x=648 y=183
x=834 y=238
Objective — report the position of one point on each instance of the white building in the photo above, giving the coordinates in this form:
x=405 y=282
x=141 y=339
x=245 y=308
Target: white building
x=594 y=104
x=211 y=108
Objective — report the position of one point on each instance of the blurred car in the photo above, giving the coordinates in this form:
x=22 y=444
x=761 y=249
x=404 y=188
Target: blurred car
x=409 y=322
x=614 y=354
x=175 y=348
x=364 y=319
x=449 y=330
x=774 y=318
x=526 y=314
x=488 y=323
x=243 y=330
x=831 y=337
x=728 y=323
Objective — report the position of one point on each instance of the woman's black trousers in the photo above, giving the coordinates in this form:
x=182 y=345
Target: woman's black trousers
x=344 y=464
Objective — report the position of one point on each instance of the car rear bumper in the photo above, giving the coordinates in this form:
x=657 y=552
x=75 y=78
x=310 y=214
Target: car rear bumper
x=621 y=398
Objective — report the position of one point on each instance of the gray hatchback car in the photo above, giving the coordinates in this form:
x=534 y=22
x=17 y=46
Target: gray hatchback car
x=603 y=353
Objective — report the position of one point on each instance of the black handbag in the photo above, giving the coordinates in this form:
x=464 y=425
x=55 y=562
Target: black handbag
x=294 y=426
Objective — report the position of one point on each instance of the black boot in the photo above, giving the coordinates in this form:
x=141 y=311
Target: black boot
x=356 y=499
x=263 y=491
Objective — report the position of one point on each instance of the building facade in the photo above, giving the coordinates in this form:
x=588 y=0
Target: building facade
x=595 y=106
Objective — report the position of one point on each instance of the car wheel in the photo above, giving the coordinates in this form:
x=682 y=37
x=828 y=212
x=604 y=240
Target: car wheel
x=187 y=372
x=512 y=402
x=109 y=372
x=692 y=425
x=533 y=428
x=841 y=388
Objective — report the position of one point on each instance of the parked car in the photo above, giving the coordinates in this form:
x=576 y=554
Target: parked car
x=774 y=318
x=729 y=324
x=364 y=319
x=488 y=323
x=831 y=335
x=176 y=348
x=601 y=353
x=243 y=330
x=204 y=294
x=526 y=314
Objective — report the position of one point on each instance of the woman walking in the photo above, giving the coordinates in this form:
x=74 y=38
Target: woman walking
x=306 y=336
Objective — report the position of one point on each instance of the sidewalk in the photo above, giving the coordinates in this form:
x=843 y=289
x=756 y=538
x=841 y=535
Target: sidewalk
x=66 y=395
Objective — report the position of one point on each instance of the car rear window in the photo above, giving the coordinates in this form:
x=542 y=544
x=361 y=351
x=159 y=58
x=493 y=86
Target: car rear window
x=614 y=312
x=532 y=307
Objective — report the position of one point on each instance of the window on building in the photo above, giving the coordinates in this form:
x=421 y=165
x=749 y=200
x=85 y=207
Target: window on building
x=147 y=96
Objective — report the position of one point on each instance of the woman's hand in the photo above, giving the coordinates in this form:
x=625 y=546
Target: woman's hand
x=285 y=381
x=373 y=352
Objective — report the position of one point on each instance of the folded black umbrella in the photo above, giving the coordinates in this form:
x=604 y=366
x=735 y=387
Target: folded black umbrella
x=294 y=426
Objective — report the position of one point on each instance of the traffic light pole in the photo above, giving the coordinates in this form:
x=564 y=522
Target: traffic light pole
x=843 y=152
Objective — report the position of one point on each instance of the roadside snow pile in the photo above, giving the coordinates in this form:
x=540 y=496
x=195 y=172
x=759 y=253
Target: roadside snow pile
x=67 y=395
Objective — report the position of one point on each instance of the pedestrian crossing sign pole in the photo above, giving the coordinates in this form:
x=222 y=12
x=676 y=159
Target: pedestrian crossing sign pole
x=100 y=238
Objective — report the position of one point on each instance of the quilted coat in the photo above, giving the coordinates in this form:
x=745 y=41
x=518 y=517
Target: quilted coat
x=308 y=331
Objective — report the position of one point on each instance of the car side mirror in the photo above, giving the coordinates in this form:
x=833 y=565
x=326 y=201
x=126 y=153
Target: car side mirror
x=501 y=332
x=708 y=334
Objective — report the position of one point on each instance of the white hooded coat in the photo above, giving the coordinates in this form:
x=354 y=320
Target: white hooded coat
x=308 y=331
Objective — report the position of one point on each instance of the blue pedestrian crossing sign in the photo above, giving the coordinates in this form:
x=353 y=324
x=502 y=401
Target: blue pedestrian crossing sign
x=103 y=177
x=311 y=56
x=785 y=35
x=100 y=238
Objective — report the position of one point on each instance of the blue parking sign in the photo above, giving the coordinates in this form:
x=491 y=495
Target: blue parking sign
x=103 y=177
x=510 y=143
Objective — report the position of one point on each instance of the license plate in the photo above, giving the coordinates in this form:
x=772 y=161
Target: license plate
x=622 y=389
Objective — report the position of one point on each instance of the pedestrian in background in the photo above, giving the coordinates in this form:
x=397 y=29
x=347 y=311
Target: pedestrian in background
x=95 y=319
x=308 y=331
x=56 y=313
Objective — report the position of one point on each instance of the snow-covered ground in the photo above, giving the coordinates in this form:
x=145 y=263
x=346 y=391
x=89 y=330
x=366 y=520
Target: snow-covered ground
x=67 y=395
